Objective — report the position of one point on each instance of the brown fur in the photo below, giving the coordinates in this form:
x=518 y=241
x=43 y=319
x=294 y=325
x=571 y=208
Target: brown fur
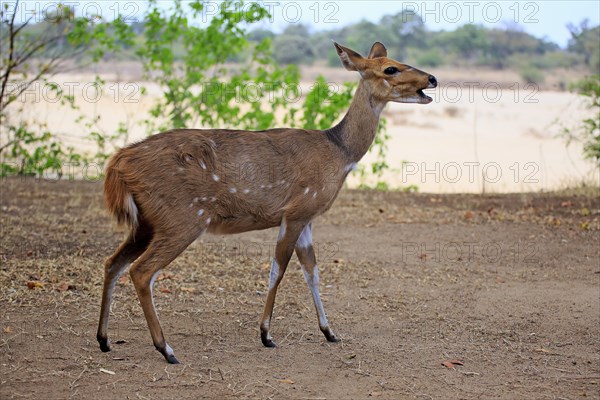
x=176 y=185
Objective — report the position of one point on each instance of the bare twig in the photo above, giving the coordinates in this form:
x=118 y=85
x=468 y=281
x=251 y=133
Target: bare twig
x=9 y=66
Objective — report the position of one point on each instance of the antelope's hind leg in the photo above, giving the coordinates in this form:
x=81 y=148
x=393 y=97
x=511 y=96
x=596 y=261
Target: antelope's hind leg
x=135 y=244
x=163 y=249
x=308 y=262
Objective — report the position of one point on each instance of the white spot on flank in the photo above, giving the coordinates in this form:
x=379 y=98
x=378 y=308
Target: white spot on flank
x=202 y=164
x=195 y=199
x=216 y=177
x=262 y=186
x=246 y=191
x=314 y=194
x=179 y=169
x=191 y=205
x=306 y=190
x=203 y=199
x=200 y=212
x=269 y=186
x=213 y=199
x=232 y=190
x=208 y=221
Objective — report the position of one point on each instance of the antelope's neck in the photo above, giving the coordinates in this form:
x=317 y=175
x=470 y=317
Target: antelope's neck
x=357 y=130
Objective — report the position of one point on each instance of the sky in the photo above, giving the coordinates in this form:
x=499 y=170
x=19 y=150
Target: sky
x=547 y=18
x=540 y=18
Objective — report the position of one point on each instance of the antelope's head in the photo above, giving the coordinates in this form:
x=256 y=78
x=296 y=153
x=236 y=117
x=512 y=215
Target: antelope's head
x=388 y=79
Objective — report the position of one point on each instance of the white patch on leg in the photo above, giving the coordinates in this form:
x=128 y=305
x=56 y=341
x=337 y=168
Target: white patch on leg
x=151 y=285
x=305 y=238
x=350 y=167
x=313 y=285
x=113 y=282
x=274 y=274
x=169 y=349
x=282 y=229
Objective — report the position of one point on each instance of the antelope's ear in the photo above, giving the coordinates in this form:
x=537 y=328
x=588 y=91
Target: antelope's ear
x=378 y=50
x=352 y=60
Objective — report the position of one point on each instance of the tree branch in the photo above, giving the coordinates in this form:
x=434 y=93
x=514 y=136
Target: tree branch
x=9 y=66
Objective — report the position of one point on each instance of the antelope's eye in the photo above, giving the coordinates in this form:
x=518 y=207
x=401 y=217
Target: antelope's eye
x=390 y=70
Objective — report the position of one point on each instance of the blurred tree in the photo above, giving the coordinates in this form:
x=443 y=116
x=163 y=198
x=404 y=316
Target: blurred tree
x=402 y=31
x=506 y=42
x=586 y=41
x=31 y=54
x=293 y=49
x=469 y=41
x=361 y=36
x=260 y=34
x=297 y=30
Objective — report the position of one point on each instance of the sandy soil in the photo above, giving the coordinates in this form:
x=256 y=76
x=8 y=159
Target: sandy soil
x=486 y=131
x=508 y=285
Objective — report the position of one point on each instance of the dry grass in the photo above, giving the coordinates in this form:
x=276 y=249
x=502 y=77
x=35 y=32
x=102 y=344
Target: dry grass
x=523 y=323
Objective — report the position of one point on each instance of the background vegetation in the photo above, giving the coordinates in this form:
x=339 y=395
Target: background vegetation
x=190 y=60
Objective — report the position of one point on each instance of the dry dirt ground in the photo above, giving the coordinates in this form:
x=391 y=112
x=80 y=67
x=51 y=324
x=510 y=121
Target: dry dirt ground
x=507 y=285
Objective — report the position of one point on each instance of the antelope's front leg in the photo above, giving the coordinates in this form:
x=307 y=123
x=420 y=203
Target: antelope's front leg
x=288 y=235
x=308 y=261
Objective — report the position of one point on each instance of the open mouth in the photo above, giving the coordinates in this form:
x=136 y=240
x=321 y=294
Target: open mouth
x=423 y=97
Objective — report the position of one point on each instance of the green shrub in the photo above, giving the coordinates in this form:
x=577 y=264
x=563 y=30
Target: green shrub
x=588 y=131
x=531 y=74
x=430 y=58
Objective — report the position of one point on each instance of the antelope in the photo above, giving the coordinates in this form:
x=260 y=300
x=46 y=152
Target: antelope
x=174 y=186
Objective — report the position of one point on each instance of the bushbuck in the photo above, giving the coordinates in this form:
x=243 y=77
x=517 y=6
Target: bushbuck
x=174 y=186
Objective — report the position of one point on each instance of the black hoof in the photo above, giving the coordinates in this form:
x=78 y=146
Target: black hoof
x=171 y=359
x=330 y=336
x=266 y=340
x=168 y=355
x=104 y=346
